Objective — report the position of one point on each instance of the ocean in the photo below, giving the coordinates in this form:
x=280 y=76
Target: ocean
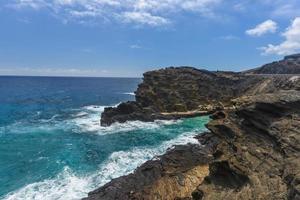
x=52 y=146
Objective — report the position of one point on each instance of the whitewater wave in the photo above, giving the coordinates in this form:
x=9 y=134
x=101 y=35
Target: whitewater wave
x=97 y=108
x=88 y=120
x=85 y=119
x=69 y=186
x=65 y=186
x=129 y=93
x=43 y=125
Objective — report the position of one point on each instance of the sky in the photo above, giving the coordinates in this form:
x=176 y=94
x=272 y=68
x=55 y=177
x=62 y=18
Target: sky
x=124 y=38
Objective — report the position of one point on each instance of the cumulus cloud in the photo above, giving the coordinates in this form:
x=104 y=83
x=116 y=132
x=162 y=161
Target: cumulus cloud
x=265 y=27
x=290 y=45
x=142 y=12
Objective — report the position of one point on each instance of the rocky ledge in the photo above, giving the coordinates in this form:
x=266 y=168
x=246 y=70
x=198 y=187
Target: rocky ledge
x=187 y=92
x=289 y=65
x=252 y=149
x=251 y=152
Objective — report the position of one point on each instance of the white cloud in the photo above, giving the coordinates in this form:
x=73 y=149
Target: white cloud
x=290 y=45
x=275 y=9
x=144 y=18
x=34 y=4
x=141 y=12
x=203 y=6
x=268 y=26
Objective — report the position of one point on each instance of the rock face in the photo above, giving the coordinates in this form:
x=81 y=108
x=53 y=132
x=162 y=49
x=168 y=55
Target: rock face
x=251 y=152
x=171 y=90
x=187 y=92
x=258 y=156
x=183 y=89
x=289 y=65
x=175 y=174
x=252 y=149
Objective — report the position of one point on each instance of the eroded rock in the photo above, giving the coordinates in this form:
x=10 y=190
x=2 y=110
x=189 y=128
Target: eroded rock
x=251 y=152
x=173 y=93
x=289 y=65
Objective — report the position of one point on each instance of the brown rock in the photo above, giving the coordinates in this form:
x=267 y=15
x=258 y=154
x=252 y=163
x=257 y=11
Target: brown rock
x=250 y=153
x=186 y=89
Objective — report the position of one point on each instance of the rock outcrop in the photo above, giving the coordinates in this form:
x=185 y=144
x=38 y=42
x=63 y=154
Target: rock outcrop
x=289 y=65
x=187 y=92
x=258 y=156
x=251 y=152
x=175 y=174
x=252 y=149
x=172 y=90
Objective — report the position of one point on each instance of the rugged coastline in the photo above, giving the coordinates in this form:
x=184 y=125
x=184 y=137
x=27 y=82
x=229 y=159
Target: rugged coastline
x=173 y=93
x=250 y=152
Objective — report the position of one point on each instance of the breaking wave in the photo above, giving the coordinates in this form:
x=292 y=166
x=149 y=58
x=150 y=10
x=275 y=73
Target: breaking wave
x=88 y=119
x=129 y=93
x=71 y=185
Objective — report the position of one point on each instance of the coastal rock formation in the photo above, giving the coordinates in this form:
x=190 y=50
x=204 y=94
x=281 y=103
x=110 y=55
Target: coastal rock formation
x=175 y=174
x=251 y=152
x=187 y=92
x=289 y=65
x=172 y=90
x=252 y=149
x=258 y=156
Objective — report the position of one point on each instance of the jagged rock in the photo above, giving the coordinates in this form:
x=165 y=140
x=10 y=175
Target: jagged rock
x=191 y=92
x=124 y=112
x=173 y=90
x=218 y=115
x=251 y=152
x=289 y=65
x=171 y=176
x=259 y=150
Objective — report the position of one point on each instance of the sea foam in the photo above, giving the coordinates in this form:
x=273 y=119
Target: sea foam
x=88 y=120
x=129 y=93
x=70 y=186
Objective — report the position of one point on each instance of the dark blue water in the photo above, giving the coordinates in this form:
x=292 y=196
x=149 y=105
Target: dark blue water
x=53 y=147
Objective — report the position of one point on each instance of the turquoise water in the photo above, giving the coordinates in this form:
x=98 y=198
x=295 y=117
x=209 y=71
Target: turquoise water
x=51 y=143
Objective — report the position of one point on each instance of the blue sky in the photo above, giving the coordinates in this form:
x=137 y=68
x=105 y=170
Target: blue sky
x=129 y=37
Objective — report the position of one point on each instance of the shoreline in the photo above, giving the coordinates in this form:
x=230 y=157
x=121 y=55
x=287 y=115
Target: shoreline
x=229 y=163
x=178 y=167
x=251 y=152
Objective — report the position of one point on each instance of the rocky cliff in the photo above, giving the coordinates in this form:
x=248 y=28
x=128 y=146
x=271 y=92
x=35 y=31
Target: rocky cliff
x=251 y=152
x=289 y=65
x=186 y=92
x=252 y=149
x=258 y=156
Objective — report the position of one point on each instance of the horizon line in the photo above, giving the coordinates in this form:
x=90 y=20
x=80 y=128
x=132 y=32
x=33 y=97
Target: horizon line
x=53 y=76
